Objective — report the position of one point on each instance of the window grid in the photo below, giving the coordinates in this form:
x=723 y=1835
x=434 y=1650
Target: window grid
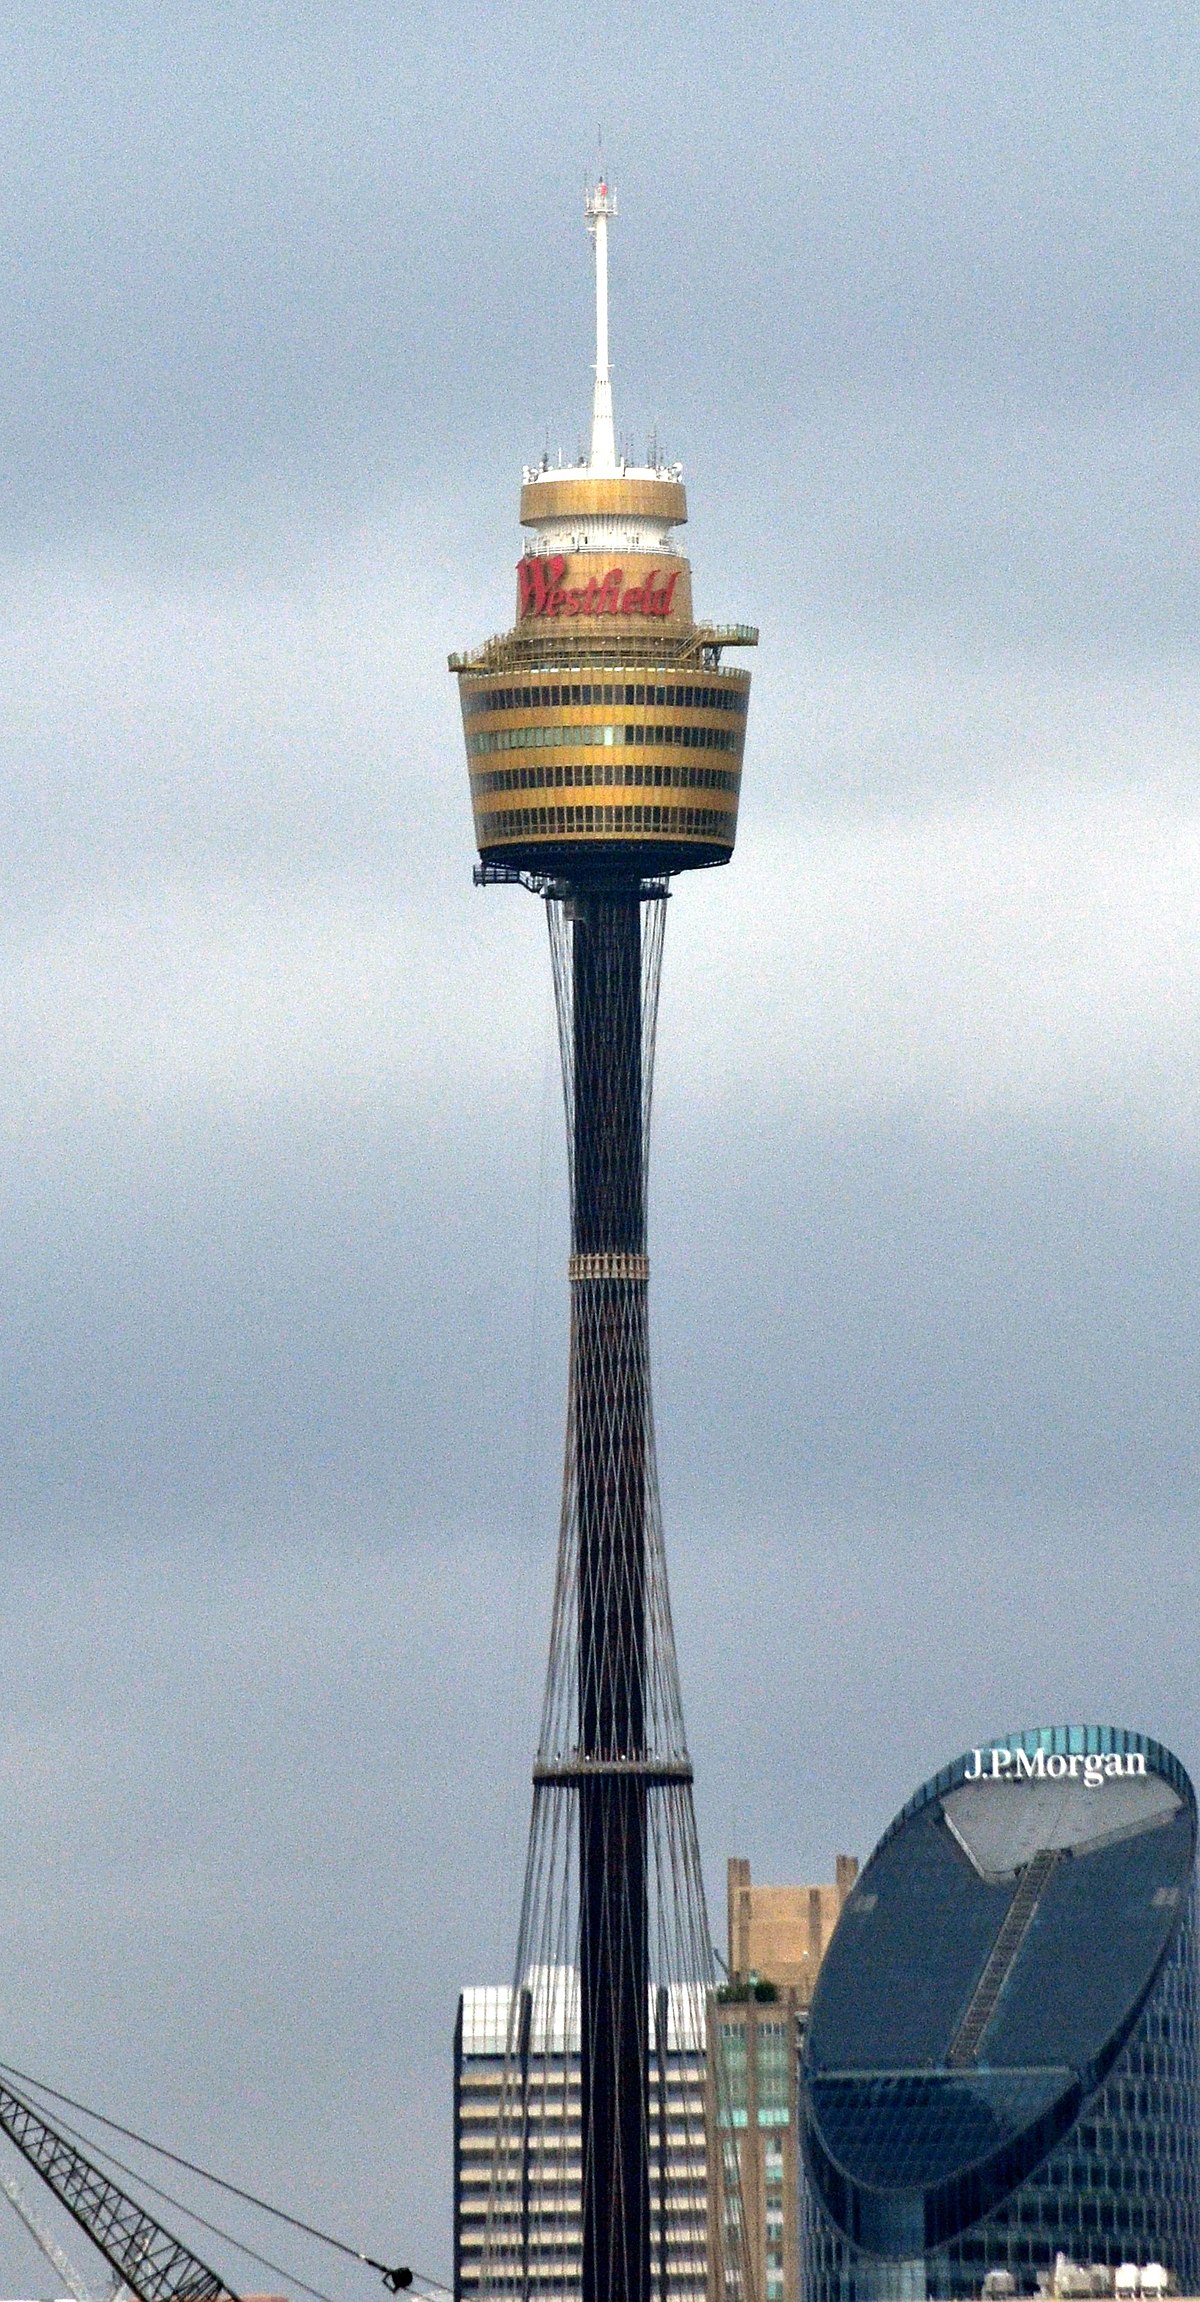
x=564 y=695
x=1123 y=2185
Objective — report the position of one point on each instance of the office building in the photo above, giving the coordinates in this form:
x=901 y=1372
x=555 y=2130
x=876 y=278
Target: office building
x=1001 y=2060
x=778 y=1936
x=529 y=2044
x=781 y=1933
x=517 y=2100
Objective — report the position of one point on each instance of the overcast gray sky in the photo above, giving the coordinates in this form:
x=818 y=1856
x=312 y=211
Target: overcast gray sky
x=290 y=294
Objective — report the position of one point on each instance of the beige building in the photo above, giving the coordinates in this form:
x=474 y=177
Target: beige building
x=778 y=1936
x=780 y=1933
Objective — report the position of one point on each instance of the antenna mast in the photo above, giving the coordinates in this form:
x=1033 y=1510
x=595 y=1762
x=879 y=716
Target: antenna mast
x=598 y=206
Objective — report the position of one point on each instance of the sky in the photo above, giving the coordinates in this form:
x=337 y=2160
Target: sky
x=290 y=295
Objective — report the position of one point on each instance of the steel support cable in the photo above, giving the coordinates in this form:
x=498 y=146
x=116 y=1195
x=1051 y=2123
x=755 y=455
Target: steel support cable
x=612 y=1675
x=181 y=2206
x=151 y=2260
x=249 y=2197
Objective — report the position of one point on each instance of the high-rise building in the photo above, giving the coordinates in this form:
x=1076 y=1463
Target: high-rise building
x=702 y=2110
x=1002 y=2060
x=545 y=2235
x=604 y=736
x=778 y=1936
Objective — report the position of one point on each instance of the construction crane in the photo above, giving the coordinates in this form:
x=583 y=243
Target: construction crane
x=55 y=2254
x=151 y=2261
x=146 y=2259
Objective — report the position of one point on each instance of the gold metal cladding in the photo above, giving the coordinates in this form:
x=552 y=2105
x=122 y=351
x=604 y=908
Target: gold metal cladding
x=606 y=733
x=583 y=498
x=663 y=766
x=507 y=786
x=610 y=1265
x=642 y=825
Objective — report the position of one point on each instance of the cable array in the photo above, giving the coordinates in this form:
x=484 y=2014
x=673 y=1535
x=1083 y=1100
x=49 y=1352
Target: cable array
x=599 y=2184
x=396 y=2278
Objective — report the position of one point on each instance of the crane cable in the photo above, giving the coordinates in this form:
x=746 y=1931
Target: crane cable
x=264 y=2261
x=169 y=2198
x=395 y=2278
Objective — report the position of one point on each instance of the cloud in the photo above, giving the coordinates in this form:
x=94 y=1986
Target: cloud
x=237 y=865
x=249 y=1859
x=1004 y=958
x=289 y=300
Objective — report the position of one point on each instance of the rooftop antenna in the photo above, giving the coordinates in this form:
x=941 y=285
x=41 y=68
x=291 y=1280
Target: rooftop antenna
x=598 y=206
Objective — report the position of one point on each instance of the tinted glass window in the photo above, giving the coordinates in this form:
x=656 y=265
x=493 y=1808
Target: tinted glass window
x=902 y=1966
x=1092 y=1946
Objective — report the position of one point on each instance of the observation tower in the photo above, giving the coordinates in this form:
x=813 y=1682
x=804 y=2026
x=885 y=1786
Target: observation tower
x=604 y=739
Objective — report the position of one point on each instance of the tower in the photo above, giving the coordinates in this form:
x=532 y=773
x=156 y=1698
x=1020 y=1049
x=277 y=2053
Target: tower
x=604 y=739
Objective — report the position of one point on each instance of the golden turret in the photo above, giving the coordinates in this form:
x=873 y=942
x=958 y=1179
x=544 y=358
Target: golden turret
x=583 y=496
x=604 y=736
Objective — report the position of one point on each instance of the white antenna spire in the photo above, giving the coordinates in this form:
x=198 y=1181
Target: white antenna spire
x=598 y=206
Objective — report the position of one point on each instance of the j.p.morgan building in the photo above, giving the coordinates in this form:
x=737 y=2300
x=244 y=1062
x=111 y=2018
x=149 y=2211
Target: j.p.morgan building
x=1001 y=2061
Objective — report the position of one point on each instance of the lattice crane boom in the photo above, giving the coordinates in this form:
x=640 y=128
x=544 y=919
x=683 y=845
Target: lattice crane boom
x=56 y=2255
x=155 y=2265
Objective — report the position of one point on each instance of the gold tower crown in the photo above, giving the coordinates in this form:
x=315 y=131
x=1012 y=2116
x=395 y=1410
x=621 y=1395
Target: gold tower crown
x=604 y=735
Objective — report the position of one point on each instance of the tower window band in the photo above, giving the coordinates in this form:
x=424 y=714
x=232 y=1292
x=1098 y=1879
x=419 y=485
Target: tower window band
x=730 y=698
x=586 y=773
x=600 y=734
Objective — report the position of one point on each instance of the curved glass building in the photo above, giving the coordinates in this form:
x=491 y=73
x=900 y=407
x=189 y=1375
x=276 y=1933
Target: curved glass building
x=1001 y=2062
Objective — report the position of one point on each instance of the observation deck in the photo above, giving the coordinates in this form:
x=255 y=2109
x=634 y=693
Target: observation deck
x=604 y=733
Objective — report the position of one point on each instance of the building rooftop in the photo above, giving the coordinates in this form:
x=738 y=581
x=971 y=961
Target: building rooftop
x=779 y=1934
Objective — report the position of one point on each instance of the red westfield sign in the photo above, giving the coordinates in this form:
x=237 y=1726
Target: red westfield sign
x=541 y=591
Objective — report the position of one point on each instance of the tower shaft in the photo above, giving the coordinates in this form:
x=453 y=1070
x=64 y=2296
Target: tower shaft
x=610 y=1370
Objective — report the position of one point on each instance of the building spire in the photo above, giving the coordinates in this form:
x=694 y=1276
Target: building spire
x=598 y=206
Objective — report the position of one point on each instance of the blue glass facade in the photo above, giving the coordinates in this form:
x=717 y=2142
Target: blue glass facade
x=1002 y=2061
